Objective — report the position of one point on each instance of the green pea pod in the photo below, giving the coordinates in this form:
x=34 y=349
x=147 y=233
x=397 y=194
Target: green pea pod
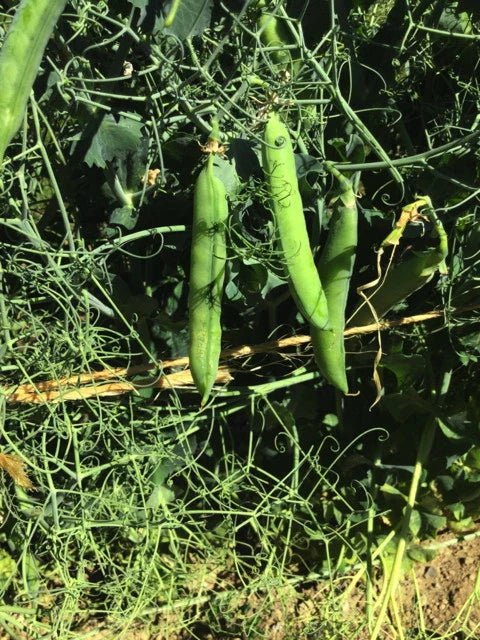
x=404 y=279
x=20 y=59
x=335 y=267
x=287 y=207
x=207 y=273
x=274 y=34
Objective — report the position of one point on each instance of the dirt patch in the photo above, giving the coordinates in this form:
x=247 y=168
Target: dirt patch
x=440 y=597
x=446 y=590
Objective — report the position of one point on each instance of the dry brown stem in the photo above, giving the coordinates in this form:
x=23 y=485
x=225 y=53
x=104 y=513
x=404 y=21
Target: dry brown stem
x=95 y=383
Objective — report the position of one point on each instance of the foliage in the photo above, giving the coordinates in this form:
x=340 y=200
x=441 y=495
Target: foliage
x=145 y=502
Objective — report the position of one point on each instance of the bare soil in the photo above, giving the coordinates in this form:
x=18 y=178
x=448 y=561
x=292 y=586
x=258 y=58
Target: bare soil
x=439 y=599
x=448 y=588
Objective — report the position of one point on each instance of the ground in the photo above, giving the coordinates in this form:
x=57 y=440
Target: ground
x=438 y=599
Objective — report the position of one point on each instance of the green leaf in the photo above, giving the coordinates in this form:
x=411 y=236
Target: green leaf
x=254 y=277
x=452 y=428
x=340 y=145
x=406 y=368
x=160 y=495
x=131 y=169
x=193 y=17
x=125 y=217
x=371 y=214
x=355 y=150
x=434 y=521
x=415 y=522
x=403 y=406
x=307 y=164
x=266 y=278
x=455 y=22
x=472 y=458
x=113 y=140
x=225 y=171
x=466 y=525
x=330 y=419
x=457 y=509
x=388 y=488
x=232 y=291
x=420 y=554
x=8 y=568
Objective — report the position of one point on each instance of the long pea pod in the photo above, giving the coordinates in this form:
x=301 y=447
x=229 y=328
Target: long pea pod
x=286 y=202
x=335 y=267
x=404 y=279
x=20 y=58
x=207 y=273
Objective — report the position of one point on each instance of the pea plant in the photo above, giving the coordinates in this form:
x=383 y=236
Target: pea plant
x=239 y=309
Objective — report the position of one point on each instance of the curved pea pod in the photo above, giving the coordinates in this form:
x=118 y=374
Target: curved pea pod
x=404 y=279
x=335 y=267
x=275 y=34
x=20 y=59
x=207 y=273
x=291 y=230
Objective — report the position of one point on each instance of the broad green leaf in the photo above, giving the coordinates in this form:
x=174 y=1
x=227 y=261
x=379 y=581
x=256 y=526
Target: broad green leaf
x=254 y=277
x=225 y=171
x=247 y=163
x=454 y=428
x=434 y=521
x=403 y=406
x=307 y=164
x=113 y=140
x=193 y=17
x=452 y=20
x=418 y=553
x=266 y=277
x=232 y=291
x=406 y=368
x=472 y=458
x=371 y=214
x=125 y=217
x=467 y=525
x=160 y=495
x=355 y=149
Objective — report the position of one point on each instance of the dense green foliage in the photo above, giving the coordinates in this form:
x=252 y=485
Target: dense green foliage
x=144 y=501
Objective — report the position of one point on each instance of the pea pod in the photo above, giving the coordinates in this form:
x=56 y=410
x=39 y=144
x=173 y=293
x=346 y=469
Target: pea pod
x=404 y=279
x=20 y=59
x=207 y=272
x=335 y=267
x=274 y=34
x=291 y=230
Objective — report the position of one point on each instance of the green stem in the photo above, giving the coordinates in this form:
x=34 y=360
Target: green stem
x=53 y=180
x=347 y=110
x=410 y=160
x=425 y=446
